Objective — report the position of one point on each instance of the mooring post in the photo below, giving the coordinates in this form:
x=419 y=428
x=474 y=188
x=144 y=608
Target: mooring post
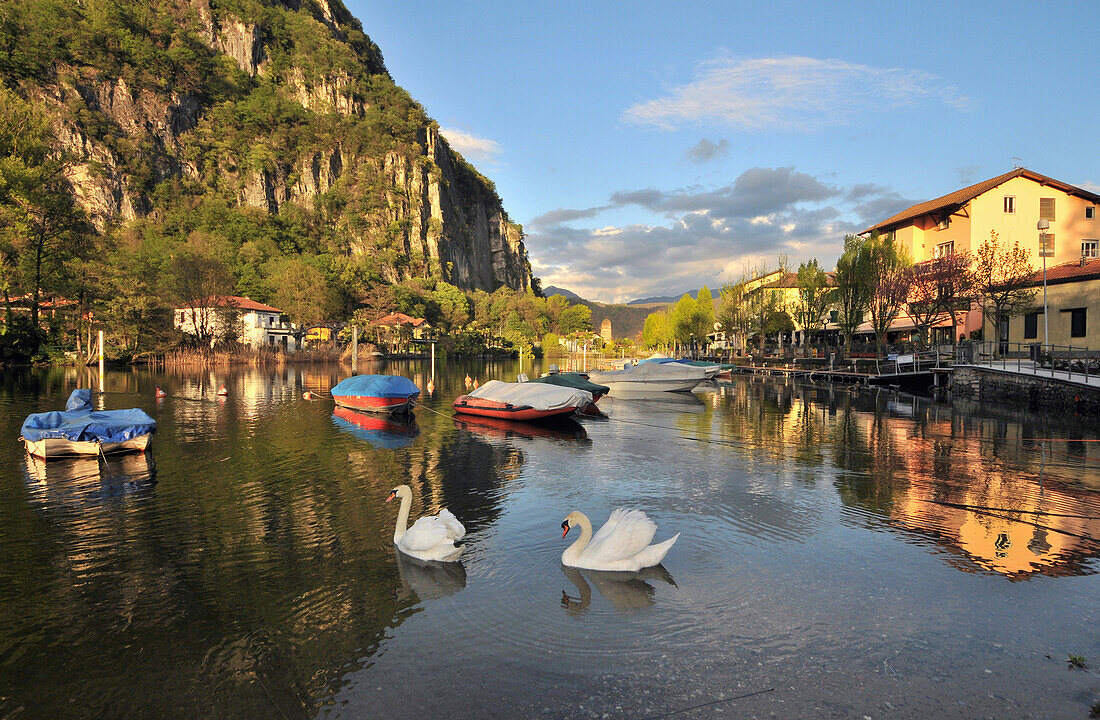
x=354 y=349
x=101 y=361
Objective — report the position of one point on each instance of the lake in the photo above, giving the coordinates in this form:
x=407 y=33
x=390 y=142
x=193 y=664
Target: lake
x=843 y=553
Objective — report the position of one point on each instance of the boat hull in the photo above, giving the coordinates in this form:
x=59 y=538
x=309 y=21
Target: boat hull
x=639 y=386
x=365 y=403
x=467 y=405
x=59 y=447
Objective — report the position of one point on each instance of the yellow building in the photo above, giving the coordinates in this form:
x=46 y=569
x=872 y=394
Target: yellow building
x=1010 y=205
x=1073 y=297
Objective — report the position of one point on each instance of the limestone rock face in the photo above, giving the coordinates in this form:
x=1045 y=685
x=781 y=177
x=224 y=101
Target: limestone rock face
x=424 y=202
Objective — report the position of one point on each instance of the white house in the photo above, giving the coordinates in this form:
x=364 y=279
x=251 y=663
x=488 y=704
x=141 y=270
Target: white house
x=259 y=325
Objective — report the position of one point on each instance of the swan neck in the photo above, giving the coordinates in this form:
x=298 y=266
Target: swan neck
x=586 y=534
x=402 y=517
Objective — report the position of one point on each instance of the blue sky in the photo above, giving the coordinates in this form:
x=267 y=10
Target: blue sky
x=649 y=148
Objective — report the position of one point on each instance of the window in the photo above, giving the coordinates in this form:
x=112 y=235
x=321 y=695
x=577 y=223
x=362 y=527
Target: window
x=1076 y=322
x=1010 y=204
x=1090 y=212
x=832 y=316
x=1088 y=248
x=1046 y=250
x=1046 y=209
x=944 y=250
x=1031 y=325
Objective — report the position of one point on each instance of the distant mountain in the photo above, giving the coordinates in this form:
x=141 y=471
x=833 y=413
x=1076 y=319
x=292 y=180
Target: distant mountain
x=568 y=294
x=661 y=299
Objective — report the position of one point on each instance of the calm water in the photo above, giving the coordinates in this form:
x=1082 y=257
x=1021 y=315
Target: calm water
x=844 y=553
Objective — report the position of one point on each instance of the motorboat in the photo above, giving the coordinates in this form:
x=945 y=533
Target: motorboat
x=578 y=382
x=376 y=393
x=521 y=401
x=80 y=430
x=712 y=369
x=646 y=377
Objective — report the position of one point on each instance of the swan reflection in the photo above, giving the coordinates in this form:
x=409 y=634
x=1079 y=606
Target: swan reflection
x=626 y=591
x=429 y=580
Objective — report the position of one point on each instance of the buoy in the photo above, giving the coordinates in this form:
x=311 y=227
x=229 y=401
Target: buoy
x=431 y=386
x=222 y=390
x=475 y=383
x=307 y=395
x=469 y=382
x=160 y=393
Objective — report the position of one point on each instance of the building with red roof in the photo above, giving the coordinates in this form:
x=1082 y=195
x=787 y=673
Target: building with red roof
x=237 y=318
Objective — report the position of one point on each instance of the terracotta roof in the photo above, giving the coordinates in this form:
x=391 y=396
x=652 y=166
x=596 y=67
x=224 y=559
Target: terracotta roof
x=399 y=319
x=955 y=200
x=240 y=303
x=1068 y=272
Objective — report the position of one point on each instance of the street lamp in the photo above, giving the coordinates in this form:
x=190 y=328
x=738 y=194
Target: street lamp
x=1042 y=226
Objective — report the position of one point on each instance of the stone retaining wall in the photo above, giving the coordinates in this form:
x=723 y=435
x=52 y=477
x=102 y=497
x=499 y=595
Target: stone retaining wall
x=1033 y=392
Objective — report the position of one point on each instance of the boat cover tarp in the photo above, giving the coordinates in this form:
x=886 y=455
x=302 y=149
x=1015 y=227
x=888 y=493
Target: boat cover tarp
x=539 y=396
x=79 y=423
x=573 y=380
x=380 y=386
x=645 y=372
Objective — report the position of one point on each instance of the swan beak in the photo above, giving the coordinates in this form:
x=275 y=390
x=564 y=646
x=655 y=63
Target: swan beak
x=564 y=528
x=392 y=495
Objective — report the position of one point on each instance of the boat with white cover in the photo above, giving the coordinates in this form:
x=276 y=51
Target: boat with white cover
x=647 y=377
x=521 y=401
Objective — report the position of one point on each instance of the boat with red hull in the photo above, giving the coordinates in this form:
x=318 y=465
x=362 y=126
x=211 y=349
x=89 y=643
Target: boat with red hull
x=521 y=401
x=376 y=393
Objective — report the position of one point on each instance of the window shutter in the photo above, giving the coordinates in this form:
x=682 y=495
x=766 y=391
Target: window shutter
x=1046 y=209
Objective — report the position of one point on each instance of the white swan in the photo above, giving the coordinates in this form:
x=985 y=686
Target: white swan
x=431 y=537
x=621 y=544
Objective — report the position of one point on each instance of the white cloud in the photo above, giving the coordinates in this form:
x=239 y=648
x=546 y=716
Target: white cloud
x=472 y=146
x=789 y=93
x=711 y=235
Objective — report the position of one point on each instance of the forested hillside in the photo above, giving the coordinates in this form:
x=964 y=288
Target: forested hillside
x=150 y=148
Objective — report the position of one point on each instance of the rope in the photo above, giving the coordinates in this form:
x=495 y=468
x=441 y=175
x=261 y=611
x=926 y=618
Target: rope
x=707 y=704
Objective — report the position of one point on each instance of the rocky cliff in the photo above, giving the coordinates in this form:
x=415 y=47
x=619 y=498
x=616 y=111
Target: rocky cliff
x=281 y=106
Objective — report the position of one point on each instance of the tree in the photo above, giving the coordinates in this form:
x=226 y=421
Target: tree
x=575 y=318
x=922 y=302
x=889 y=267
x=201 y=283
x=299 y=289
x=764 y=306
x=454 y=306
x=957 y=287
x=733 y=310
x=43 y=228
x=681 y=322
x=656 y=332
x=853 y=286
x=814 y=296
x=1003 y=278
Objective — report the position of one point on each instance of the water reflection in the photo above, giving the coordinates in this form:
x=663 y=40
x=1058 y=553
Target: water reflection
x=625 y=591
x=559 y=428
x=426 y=580
x=387 y=432
x=972 y=484
x=78 y=480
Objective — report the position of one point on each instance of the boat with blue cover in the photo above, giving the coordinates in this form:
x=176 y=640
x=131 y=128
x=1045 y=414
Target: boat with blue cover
x=376 y=393
x=80 y=430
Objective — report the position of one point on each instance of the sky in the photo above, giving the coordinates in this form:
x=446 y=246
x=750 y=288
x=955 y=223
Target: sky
x=649 y=148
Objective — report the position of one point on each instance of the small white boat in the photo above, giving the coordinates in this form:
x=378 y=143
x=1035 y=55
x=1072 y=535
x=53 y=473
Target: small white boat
x=647 y=377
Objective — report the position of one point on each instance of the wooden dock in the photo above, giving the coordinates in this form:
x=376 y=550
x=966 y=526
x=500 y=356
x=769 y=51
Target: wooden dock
x=842 y=376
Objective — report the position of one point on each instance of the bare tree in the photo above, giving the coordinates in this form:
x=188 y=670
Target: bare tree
x=814 y=295
x=1003 y=278
x=890 y=278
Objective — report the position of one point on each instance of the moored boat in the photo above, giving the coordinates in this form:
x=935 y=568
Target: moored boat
x=376 y=393
x=647 y=377
x=522 y=401
x=79 y=430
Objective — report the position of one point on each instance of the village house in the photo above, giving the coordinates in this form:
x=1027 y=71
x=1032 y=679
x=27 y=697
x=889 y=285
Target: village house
x=257 y=325
x=1073 y=297
x=1010 y=205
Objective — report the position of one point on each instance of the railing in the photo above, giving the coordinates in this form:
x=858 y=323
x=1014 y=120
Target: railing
x=1064 y=361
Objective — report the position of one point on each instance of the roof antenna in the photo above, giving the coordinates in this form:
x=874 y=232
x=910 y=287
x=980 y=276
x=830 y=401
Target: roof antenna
x=1018 y=164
